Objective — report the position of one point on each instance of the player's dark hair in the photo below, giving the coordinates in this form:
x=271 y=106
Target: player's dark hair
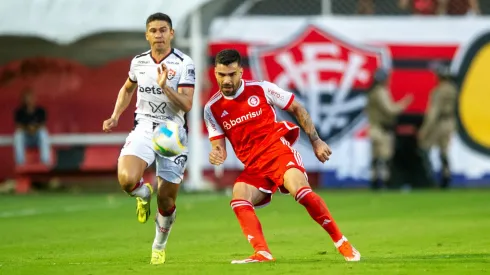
x=227 y=57
x=159 y=17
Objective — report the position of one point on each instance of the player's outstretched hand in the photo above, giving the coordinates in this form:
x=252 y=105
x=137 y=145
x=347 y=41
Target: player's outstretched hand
x=322 y=150
x=109 y=124
x=217 y=156
x=162 y=75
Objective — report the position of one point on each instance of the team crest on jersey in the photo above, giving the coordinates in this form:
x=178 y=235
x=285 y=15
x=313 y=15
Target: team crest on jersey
x=328 y=75
x=253 y=101
x=171 y=74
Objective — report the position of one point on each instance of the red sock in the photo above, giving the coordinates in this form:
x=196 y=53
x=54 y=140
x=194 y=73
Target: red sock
x=168 y=212
x=250 y=224
x=318 y=210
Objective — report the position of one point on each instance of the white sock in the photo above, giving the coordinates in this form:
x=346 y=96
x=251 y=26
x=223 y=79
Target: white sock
x=163 y=226
x=141 y=191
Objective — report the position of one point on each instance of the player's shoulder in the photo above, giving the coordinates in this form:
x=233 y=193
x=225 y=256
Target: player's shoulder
x=215 y=98
x=141 y=57
x=262 y=85
x=181 y=55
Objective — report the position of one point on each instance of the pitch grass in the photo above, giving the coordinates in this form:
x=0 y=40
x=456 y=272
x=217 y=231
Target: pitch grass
x=397 y=233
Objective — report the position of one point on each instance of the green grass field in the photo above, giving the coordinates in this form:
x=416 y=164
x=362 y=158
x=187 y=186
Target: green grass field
x=397 y=233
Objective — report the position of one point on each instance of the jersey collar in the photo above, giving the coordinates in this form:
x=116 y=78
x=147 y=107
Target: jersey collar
x=165 y=57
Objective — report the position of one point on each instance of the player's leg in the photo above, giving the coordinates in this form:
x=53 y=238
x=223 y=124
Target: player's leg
x=136 y=156
x=245 y=196
x=296 y=183
x=170 y=173
x=130 y=171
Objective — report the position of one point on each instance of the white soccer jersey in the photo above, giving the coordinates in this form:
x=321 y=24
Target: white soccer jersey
x=152 y=104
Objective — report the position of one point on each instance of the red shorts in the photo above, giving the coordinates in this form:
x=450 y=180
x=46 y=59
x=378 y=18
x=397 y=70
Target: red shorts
x=267 y=172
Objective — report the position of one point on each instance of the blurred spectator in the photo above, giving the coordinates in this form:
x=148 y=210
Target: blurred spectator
x=441 y=7
x=440 y=120
x=382 y=113
x=30 y=121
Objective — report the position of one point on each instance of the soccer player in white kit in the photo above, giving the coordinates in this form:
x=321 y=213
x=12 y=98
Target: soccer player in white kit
x=163 y=79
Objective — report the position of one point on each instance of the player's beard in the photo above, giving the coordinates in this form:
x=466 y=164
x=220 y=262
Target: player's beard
x=231 y=88
x=228 y=89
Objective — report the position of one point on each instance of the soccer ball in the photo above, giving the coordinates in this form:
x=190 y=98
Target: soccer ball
x=169 y=139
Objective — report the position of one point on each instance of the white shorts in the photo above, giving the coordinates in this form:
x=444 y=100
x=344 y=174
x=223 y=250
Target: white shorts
x=138 y=143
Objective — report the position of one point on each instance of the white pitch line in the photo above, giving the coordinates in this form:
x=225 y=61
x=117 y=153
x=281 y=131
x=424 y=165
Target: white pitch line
x=79 y=208
x=68 y=209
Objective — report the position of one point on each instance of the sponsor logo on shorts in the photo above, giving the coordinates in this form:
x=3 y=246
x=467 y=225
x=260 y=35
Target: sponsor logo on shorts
x=181 y=160
x=232 y=122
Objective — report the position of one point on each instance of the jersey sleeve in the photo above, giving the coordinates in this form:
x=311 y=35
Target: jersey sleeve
x=188 y=75
x=132 y=73
x=214 y=130
x=277 y=96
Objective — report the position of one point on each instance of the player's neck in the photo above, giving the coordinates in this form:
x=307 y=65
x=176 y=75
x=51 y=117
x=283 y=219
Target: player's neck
x=159 y=55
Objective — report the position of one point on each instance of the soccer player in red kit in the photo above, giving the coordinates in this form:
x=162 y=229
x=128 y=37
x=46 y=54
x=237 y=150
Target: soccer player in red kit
x=243 y=112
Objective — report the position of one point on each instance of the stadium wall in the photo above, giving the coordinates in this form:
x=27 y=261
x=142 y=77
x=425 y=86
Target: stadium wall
x=327 y=62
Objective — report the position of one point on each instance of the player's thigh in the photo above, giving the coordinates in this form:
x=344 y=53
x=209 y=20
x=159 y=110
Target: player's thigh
x=136 y=155
x=245 y=191
x=287 y=168
x=130 y=168
x=171 y=169
x=295 y=179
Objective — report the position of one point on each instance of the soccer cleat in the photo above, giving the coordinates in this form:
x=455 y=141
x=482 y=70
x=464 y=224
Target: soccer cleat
x=157 y=256
x=143 y=207
x=347 y=250
x=257 y=257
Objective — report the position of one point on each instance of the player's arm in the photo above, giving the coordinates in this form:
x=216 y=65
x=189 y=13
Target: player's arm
x=304 y=120
x=216 y=136
x=321 y=149
x=182 y=98
x=285 y=100
x=218 y=151
x=123 y=99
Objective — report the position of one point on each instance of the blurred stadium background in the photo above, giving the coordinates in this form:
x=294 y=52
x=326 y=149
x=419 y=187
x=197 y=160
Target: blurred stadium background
x=74 y=55
x=75 y=65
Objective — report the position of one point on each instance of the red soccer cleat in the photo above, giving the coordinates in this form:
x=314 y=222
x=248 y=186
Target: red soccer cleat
x=257 y=257
x=347 y=250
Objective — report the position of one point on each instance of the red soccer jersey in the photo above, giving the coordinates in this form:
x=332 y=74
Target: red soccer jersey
x=248 y=118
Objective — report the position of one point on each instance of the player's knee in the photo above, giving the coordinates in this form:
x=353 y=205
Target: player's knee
x=128 y=180
x=165 y=203
x=294 y=179
x=241 y=191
